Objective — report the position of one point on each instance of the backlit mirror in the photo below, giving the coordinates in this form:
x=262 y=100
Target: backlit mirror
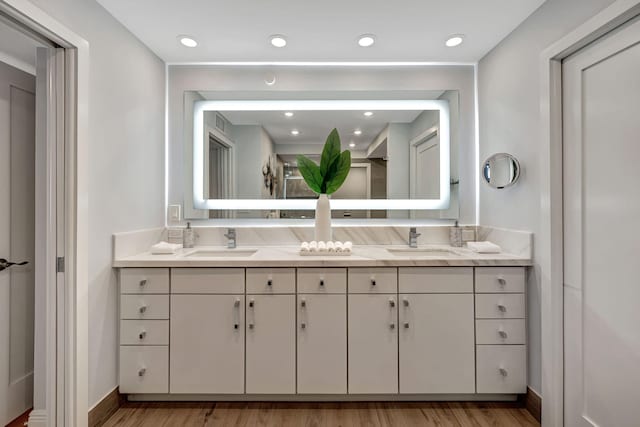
x=501 y=170
x=244 y=156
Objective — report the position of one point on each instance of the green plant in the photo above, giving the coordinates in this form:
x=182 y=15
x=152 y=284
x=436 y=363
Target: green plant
x=334 y=167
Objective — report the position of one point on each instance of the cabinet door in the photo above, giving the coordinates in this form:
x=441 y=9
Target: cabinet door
x=437 y=343
x=271 y=348
x=373 y=344
x=322 y=344
x=207 y=344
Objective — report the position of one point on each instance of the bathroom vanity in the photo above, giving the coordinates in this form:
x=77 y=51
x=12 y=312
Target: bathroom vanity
x=269 y=324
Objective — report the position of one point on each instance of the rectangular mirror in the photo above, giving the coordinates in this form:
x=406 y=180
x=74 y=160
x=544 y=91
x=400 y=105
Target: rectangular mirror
x=244 y=156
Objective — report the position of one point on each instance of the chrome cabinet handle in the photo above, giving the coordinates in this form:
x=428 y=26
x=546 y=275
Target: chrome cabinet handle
x=392 y=325
x=503 y=371
x=252 y=305
x=236 y=306
x=373 y=282
x=502 y=281
x=270 y=282
x=321 y=282
x=392 y=302
x=406 y=325
x=303 y=302
x=143 y=282
x=502 y=308
x=142 y=335
x=142 y=371
x=502 y=333
x=405 y=302
x=303 y=325
x=142 y=309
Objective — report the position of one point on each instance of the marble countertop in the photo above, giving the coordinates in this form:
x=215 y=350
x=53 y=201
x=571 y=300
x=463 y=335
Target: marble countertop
x=288 y=256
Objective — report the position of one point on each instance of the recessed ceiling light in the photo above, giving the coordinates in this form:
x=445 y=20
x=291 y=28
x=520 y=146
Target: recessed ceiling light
x=270 y=79
x=352 y=144
x=295 y=132
x=187 y=41
x=454 y=40
x=288 y=114
x=357 y=132
x=366 y=40
x=368 y=113
x=278 y=40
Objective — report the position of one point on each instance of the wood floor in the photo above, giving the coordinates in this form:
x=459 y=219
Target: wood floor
x=322 y=414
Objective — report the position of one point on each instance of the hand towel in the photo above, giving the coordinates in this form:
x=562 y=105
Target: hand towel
x=484 y=247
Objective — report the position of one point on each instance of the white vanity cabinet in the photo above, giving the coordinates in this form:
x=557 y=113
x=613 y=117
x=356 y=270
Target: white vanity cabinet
x=322 y=330
x=437 y=344
x=207 y=331
x=373 y=330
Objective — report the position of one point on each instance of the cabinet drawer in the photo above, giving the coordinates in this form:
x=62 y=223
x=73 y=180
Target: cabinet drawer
x=499 y=279
x=373 y=280
x=144 y=306
x=144 y=369
x=428 y=280
x=271 y=281
x=144 y=280
x=207 y=280
x=502 y=331
x=500 y=306
x=501 y=369
x=322 y=280
x=144 y=332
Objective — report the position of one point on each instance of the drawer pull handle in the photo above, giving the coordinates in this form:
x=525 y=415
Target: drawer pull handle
x=143 y=335
x=503 y=334
x=236 y=303
x=236 y=326
x=250 y=325
x=405 y=302
x=392 y=326
x=392 y=302
x=252 y=303
x=143 y=309
x=143 y=282
x=142 y=371
x=373 y=282
x=502 y=308
x=269 y=282
x=406 y=325
x=503 y=372
x=321 y=282
x=303 y=303
x=502 y=281
x=303 y=325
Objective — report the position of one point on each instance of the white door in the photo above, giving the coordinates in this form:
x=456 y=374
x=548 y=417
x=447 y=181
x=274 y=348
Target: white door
x=207 y=344
x=601 y=109
x=322 y=344
x=271 y=344
x=437 y=343
x=17 y=223
x=373 y=344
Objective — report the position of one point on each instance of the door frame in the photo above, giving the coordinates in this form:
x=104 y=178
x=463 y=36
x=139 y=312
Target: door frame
x=65 y=331
x=550 y=236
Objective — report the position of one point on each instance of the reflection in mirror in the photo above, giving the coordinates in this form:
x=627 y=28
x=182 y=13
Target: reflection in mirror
x=396 y=154
x=501 y=170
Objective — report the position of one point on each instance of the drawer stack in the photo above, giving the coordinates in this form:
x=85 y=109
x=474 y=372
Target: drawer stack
x=144 y=330
x=500 y=330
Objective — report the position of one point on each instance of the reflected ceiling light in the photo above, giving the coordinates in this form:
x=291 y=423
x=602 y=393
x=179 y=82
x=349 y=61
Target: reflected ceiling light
x=187 y=41
x=295 y=132
x=357 y=132
x=352 y=144
x=366 y=40
x=288 y=114
x=368 y=113
x=278 y=40
x=454 y=40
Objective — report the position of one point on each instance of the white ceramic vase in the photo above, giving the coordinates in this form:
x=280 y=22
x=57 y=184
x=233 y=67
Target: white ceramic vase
x=323 y=219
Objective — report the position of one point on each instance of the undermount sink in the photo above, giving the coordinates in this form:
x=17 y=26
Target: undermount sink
x=423 y=252
x=221 y=253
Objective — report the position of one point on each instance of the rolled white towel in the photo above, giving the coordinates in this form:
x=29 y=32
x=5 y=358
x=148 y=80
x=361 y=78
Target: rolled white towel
x=313 y=246
x=339 y=247
x=304 y=247
x=347 y=247
x=331 y=247
x=484 y=247
x=322 y=247
x=165 y=248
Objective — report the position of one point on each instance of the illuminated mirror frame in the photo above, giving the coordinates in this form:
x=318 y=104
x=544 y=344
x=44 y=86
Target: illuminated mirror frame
x=320 y=105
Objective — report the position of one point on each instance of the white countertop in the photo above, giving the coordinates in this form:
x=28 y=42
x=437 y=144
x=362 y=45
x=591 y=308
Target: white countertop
x=288 y=256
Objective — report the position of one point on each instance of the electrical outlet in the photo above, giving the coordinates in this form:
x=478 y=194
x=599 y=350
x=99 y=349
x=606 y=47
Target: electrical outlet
x=174 y=213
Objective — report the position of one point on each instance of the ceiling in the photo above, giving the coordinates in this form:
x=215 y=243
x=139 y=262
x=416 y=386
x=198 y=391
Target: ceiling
x=238 y=30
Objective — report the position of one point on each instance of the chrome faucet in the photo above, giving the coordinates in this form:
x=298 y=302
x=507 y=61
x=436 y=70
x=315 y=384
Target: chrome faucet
x=231 y=238
x=413 y=237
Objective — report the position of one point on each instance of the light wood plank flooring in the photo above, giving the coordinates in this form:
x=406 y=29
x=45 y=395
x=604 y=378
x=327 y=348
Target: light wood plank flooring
x=322 y=414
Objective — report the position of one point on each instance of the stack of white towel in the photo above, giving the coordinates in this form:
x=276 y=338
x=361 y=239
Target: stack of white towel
x=165 y=248
x=484 y=247
x=314 y=246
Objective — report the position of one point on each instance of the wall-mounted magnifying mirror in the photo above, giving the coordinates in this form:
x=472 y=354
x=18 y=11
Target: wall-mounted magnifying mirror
x=501 y=170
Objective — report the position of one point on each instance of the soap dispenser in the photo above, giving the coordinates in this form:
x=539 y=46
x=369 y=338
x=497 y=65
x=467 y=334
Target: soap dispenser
x=188 y=237
x=455 y=236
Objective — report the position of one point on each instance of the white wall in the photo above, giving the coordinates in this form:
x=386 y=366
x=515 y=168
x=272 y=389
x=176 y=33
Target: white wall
x=126 y=162
x=509 y=106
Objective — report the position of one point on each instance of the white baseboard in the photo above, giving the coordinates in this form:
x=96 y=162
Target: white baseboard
x=37 y=418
